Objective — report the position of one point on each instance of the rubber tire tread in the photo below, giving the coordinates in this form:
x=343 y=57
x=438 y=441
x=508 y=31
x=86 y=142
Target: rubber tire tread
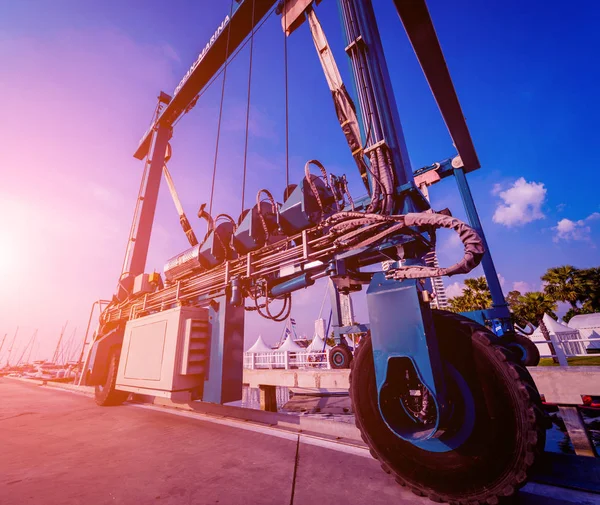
x=537 y=419
x=107 y=395
x=347 y=353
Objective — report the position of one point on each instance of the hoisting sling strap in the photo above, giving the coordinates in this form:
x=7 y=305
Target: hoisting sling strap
x=185 y=224
x=344 y=106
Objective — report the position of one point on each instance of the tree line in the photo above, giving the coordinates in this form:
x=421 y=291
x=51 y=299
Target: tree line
x=580 y=288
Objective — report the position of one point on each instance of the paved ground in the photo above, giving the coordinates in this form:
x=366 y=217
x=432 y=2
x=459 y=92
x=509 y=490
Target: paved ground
x=58 y=447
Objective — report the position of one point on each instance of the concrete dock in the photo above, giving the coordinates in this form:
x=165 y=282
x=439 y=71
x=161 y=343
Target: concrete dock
x=58 y=447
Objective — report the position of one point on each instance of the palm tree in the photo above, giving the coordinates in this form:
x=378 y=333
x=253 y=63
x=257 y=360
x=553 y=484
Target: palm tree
x=590 y=289
x=476 y=296
x=532 y=307
x=564 y=284
x=512 y=297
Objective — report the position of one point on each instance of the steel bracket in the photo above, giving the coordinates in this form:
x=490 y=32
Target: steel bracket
x=402 y=328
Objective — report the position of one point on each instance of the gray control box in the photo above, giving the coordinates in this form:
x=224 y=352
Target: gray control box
x=166 y=354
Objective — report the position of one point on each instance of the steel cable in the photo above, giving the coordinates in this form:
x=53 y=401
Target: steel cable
x=248 y=108
x=214 y=175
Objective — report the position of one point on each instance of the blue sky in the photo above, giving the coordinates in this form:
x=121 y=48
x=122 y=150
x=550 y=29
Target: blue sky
x=80 y=80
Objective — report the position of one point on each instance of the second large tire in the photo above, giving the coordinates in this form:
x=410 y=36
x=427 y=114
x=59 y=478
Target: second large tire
x=508 y=424
x=526 y=351
x=340 y=356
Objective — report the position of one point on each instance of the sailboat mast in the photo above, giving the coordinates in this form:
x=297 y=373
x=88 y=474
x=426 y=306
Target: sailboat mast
x=2 y=344
x=11 y=347
x=25 y=348
x=31 y=348
x=55 y=355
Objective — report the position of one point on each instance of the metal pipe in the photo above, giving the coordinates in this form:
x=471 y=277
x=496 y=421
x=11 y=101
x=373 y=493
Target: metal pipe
x=301 y=281
x=380 y=100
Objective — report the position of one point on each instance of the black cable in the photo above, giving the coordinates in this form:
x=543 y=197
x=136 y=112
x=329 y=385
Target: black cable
x=283 y=313
x=248 y=108
x=214 y=176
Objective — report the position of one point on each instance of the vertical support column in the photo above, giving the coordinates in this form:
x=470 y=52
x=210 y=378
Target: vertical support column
x=489 y=269
x=336 y=313
x=347 y=309
x=138 y=250
x=226 y=364
x=373 y=83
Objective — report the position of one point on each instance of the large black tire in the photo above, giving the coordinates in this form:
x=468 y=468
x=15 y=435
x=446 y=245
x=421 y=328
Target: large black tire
x=525 y=350
x=106 y=395
x=340 y=356
x=508 y=431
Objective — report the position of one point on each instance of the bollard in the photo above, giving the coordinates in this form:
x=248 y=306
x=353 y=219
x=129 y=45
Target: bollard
x=268 y=398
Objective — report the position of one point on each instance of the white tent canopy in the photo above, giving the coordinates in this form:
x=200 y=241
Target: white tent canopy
x=317 y=345
x=290 y=345
x=585 y=321
x=562 y=333
x=259 y=346
x=588 y=326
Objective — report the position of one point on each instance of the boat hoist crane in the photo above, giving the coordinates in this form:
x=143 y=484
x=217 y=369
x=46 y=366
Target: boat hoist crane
x=444 y=402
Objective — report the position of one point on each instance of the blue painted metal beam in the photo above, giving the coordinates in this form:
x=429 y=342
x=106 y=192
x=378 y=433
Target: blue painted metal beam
x=225 y=371
x=487 y=263
x=421 y=33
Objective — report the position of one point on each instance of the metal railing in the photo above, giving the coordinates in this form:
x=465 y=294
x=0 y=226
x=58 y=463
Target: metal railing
x=286 y=360
x=566 y=347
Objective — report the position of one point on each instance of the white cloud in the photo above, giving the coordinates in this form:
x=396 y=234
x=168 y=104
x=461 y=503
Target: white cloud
x=521 y=286
x=566 y=229
x=502 y=280
x=455 y=289
x=522 y=203
x=453 y=242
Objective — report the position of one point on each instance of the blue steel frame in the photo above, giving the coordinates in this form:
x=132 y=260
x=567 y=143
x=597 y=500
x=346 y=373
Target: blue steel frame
x=499 y=316
x=401 y=321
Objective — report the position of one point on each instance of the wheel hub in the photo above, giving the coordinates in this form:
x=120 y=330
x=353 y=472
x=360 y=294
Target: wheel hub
x=410 y=410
